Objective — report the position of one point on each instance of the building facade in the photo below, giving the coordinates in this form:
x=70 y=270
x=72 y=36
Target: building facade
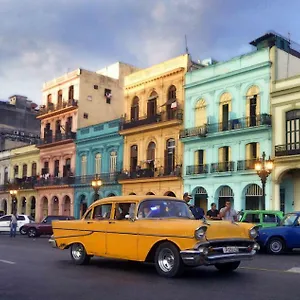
x=24 y=172
x=99 y=154
x=4 y=181
x=78 y=99
x=154 y=101
x=286 y=143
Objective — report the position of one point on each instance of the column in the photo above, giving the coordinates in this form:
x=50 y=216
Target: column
x=9 y=205
x=276 y=196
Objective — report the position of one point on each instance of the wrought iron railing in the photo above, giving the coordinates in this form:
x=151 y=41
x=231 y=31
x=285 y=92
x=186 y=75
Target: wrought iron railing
x=106 y=178
x=287 y=149
x=197 y=169
x=57 y=138
x=222 y=167
x=51 y=107
x=248 y=164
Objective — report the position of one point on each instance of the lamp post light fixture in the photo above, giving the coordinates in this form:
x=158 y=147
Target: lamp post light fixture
x=263 y=168
x=96 y=184
x=13 y=194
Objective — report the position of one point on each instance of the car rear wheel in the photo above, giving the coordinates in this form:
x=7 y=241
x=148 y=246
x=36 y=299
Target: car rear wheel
x=23 y=231
x=275 y=246
x=32 y=232
x=228 y=267
x=168 y=262
x=79 y=255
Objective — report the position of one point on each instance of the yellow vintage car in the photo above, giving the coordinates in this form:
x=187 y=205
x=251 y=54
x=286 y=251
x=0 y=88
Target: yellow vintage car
x=161 y=230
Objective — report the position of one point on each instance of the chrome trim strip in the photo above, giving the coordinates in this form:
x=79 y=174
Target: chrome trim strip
x=211 y=242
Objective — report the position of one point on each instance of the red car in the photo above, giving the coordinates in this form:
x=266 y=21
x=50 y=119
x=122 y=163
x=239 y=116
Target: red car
x=43 y=228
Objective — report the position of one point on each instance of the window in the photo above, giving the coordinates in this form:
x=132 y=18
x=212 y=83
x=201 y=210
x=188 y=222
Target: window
x=252 y=106
x=172 y=92
x=151 y=151
x=24 y=170
x=252 y=218
x=88 y=215
x=225 y=108
x=113 y=162
x=293 y=130
x=16 y=171
x=98 y=163
x=83 y=165
x=152 y=105
x=107 y=95
x=200 y=113
x=102 y=212
x=5 y=219
x=6 y=175
x=49 y=99
x=270 y=218
x=170 y=157
x=71 y=92
x=20 y=218
x=123 y=209
x=85 y=115
x=171 y=103
x=199 y=156
x=224 y=159
x=133 y=157
x=95 y=87
x=134 y=113
x=33 y=169
x=56 y=168
x=252 y=153
x=59 y=99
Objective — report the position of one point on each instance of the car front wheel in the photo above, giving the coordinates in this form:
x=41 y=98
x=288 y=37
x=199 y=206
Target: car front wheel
x=23 y=231
x=168 y=262
x=228 y=267
x=275 y=246
x=79 y=255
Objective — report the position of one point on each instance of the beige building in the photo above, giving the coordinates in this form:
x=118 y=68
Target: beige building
x=286 y=143
x=4 y=180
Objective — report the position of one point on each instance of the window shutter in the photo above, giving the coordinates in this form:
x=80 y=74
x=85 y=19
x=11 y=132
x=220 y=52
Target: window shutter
x=257 y=150
x=196 y=158
x=221 y=157
x=229 y=153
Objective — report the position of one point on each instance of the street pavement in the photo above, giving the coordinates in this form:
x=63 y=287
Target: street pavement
x=30 y=270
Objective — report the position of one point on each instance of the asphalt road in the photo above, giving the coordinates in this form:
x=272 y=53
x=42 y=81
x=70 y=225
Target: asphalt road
x=31 y=269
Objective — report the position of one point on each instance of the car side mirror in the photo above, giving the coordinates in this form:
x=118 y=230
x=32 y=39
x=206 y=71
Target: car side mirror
x=44 y=221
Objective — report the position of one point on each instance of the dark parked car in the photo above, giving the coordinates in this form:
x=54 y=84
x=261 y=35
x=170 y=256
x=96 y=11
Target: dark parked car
x=43 y=228
x=281 y=238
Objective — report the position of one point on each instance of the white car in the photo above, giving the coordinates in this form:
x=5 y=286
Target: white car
x=21 y=219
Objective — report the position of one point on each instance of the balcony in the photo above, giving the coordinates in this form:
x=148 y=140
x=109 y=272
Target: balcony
x=165 y=116
x=244 y=165
x=57 y=138
x=26 y=183
x=287 y=149
x=231 y=125
x=106 y=178
x=52 y=108
x=54 y=181
x=222 y=167
x=197 y=170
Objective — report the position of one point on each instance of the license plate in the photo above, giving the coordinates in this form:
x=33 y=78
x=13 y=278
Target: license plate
x=230 y=249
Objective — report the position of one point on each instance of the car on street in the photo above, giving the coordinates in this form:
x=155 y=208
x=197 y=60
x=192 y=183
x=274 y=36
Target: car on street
x=33 y=229
x=283 y=238
x=161 y=230
x=262 y=218
x=21 y=221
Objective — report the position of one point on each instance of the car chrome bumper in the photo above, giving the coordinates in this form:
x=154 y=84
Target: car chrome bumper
x=52 y=242
x=201 y=258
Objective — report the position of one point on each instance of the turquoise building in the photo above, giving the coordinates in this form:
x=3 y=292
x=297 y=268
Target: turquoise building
x=227 y=127
x=99 y=153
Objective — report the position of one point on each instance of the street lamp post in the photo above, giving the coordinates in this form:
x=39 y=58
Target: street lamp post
x=264 y=168
x=96 y=184
x=13 y=194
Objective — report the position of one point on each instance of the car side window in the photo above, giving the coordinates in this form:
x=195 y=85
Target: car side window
x=88 y=215
x=5 y=219
x=252 y=218
x=123 y=209
x=270 y=218
x=102 y=212
x=21 y=218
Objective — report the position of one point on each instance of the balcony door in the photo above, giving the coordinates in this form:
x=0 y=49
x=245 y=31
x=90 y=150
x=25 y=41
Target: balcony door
x=293 y=131
x=133 y=158
x=134 y=113
x=170 y=157
x=225 y=108
x=152 y=105
x=151 y=157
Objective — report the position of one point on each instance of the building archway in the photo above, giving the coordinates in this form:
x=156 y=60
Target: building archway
x=44 y=206
x=32 y=206
x=67 y=206
x=224 y=194
x=23 y=205
x=55 y=206
x=200 y=197
x=170 y=194
x=253 y=197
x=83 y=206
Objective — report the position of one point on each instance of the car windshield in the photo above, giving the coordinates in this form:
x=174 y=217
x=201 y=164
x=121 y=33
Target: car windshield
x=289 y=220
x=164 y=209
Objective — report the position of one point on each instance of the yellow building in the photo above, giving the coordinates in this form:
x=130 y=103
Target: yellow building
x=154 y=102
x=23 y=175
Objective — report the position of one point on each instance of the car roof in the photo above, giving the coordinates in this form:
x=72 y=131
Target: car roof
x=134 y=198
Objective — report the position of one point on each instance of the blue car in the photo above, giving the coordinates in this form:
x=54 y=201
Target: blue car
x=283 y=238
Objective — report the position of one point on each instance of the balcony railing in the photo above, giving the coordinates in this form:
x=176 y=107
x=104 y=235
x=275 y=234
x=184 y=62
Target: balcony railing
x=157 y=118
x=197 y=169
x=241 y=123
x=151 y=173
x=287 y=149
x=106 y=178
x=222 y=167
x=57 y=138
x=26 y=183
x=51 y=107
x=52 y=181
x=243 y=165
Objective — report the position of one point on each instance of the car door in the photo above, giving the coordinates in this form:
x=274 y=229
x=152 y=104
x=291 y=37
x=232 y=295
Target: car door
x=294 y=234
x=5 y=223
x=21 y=221
x=94 y=228
x=121 y=237
x=269 y=220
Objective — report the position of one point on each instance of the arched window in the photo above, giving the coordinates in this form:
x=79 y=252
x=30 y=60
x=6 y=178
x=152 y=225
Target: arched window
x=83 y=165
x=33 y=169
x=134 y=114
x=98 y=163
x=152 y=105
x=113 y=162
x=171 y=103
x=49 y=99
x=172 y=92
x=200 y=113
x=71 y=92
x=224 y=110
x=252 y=105
x=16 y=171
x=133 y=158
x=24 y=170
x=59 y=99
x=170 y=157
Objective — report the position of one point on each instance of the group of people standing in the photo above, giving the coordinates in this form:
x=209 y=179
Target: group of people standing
x=226 y=213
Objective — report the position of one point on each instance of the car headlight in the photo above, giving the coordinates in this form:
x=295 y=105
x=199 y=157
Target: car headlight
x=200 y=232
x=253 y=232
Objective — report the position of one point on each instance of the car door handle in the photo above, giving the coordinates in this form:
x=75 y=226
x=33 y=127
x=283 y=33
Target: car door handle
x=111 y=222
x=90 y=222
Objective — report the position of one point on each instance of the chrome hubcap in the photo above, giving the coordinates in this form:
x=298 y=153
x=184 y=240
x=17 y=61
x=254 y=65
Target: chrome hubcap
x=276 y=246
x=31 y=232
x=77 y=251
x=166 y=260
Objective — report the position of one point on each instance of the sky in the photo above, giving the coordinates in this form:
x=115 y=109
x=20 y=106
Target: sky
x=43 y=39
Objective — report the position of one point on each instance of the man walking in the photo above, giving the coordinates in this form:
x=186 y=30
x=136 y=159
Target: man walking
x=13 y=225
x=227 y=213
x=198 y=212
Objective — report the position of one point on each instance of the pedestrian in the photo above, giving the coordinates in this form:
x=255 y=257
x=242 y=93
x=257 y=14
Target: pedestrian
x=227 y=213
x=213 y=213
x=198 y=212
x=13 y=225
